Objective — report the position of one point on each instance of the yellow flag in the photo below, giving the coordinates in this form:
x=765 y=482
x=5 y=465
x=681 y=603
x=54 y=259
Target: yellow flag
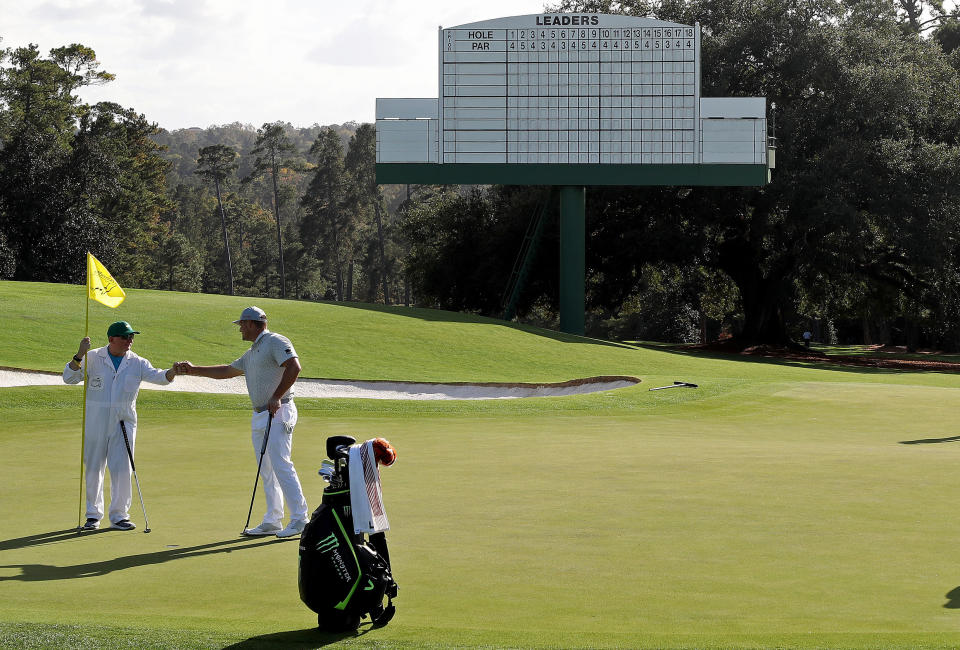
x=100 y=284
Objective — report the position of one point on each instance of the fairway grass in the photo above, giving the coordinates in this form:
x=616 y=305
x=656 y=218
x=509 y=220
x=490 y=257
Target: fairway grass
x=783 y=505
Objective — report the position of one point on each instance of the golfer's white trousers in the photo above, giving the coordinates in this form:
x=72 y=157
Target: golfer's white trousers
x=107 y=450
x=279 y=477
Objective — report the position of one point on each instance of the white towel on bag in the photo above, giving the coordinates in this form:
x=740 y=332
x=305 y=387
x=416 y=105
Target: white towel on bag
x=366 y=497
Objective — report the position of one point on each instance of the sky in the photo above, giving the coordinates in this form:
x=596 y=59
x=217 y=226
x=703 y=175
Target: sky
x=196 y=63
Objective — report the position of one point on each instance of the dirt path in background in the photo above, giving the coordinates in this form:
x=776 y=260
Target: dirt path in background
x=879 y=357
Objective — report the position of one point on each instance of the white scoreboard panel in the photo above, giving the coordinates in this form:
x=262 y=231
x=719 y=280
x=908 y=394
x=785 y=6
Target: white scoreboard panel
x=569 y=88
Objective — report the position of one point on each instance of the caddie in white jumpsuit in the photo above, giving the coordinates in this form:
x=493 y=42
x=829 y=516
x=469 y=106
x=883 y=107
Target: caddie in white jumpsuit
x=113 y=374
x=270 y=368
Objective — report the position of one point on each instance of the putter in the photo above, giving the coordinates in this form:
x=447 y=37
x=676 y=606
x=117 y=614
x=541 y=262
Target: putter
x=263 y=450
x=126 y=442
x=676 y=384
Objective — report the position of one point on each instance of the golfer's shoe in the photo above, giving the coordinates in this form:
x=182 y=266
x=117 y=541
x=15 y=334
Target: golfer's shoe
x=261 y=530
x=293 y=528
x=91 y=524
x=123 y=524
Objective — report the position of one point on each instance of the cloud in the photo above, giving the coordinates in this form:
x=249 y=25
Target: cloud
x=200 y=62
x=360 y=44
x=68 y=12
x=177 y=10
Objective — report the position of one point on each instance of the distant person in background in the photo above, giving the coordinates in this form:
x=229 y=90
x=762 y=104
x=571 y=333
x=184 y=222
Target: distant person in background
x=270 y=367
x=114 y=375
x=806 y=338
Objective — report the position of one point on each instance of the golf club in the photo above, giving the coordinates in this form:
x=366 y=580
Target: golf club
x=263 y=450
x=676 y=384
x=126 y=442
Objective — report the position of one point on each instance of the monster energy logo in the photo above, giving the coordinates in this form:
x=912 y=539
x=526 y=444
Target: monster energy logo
x=328 y=543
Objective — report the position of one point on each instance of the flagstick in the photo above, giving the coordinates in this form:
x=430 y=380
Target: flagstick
x=83 y=411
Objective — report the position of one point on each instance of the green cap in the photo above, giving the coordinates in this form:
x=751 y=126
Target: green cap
x=120 y=328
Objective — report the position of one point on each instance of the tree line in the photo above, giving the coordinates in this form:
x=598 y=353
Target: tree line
x=855 y=238
x=275 y=211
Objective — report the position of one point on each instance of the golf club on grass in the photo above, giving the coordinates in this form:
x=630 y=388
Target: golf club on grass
x=263 y=450
x=676 y=384
x=126 y=442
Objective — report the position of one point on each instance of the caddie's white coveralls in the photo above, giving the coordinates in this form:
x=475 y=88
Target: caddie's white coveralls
x=111 y=397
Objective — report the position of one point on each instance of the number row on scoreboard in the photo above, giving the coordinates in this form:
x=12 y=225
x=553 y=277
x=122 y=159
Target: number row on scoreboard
x=571 y=45
x=606 y=67
x=642 y=44
x=579 y=33
x=572 y=56
x=600 y=32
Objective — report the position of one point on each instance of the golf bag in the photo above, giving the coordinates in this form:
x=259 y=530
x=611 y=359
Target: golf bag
x=343 y=576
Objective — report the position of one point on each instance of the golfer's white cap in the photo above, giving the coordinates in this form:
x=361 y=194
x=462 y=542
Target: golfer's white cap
x=252 y=313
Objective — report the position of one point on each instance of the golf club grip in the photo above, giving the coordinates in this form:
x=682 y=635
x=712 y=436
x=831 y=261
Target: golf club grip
x=266 y=435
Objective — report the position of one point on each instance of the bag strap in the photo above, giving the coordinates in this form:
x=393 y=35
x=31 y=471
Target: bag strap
x=379 y=543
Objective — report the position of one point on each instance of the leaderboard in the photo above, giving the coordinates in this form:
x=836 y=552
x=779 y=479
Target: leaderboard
x=570 y=89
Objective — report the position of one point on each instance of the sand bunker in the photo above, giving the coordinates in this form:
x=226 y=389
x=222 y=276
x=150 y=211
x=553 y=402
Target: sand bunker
x=340 y=388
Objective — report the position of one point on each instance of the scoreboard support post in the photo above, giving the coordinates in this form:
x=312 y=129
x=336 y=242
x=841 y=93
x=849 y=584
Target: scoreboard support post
x=572 y=258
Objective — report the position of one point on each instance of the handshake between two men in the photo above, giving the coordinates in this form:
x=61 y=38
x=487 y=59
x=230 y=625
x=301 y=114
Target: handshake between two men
x=184 y=368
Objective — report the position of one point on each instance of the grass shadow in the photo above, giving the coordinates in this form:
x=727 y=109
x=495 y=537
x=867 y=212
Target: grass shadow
x=45 y=538
x=930 y=441
x=298 y=639
x=438 y=315
x=44 y=572
x=953 y=599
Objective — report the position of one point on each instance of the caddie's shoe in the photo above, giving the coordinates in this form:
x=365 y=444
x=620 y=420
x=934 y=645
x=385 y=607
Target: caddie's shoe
x=91 y=524
x=293 y=528
x=262 y=529
x=123 y=524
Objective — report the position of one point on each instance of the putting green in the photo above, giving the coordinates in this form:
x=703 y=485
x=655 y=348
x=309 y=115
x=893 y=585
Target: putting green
x=778 y=505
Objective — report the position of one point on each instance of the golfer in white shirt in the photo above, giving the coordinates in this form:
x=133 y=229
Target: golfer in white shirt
x=270 y=368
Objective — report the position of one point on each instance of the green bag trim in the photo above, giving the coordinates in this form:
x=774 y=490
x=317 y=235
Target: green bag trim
x=343 y=604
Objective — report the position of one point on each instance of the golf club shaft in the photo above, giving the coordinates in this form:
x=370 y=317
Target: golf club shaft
x=263 y=450
x=126 y=442
x=676 y=384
